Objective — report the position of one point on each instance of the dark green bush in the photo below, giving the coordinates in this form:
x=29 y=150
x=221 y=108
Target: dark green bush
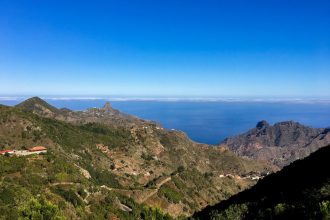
x=170 y=194
x=69 y=195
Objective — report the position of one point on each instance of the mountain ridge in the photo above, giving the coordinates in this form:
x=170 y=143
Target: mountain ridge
x=278 y=144
x=133 y=158
x=105 y=115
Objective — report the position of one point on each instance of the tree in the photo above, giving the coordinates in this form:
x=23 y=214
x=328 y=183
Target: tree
x=325 y=210
x=39 y=210
x=233 y=212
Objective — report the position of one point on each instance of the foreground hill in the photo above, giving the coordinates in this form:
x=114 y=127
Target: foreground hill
x=103 y=164
x=279 y=144
x=299 y=191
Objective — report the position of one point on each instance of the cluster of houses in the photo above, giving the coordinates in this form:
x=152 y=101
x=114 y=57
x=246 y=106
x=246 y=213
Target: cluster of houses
x=33 y=150
x=251 y=175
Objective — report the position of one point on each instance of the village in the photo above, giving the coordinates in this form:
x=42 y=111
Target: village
x=30 y=151
x=251 y=176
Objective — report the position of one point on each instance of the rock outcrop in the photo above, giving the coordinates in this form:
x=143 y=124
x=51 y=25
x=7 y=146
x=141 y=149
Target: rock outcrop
x=280 y=144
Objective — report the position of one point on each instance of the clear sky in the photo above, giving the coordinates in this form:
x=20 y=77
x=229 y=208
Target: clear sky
x=170 y=48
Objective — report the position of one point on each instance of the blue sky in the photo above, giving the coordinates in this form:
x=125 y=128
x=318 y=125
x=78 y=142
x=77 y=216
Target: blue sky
x=172 y=48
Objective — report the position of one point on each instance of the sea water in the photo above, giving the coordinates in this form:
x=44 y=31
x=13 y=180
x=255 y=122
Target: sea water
x=209 y=122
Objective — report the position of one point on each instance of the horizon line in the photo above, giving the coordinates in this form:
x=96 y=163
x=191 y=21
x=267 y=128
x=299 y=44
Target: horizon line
x=174 y=99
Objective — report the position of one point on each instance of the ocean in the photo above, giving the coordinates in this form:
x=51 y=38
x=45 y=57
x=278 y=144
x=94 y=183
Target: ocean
x=209 y=122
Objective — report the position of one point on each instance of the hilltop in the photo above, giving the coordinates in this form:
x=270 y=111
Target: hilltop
x=38 y=105
x=106 y=115
x=280 y=144
x=112 y=164
x=299 y=191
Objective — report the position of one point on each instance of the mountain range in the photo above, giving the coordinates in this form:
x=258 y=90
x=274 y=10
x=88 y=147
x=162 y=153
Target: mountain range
x=104 y=164
x=137 y=162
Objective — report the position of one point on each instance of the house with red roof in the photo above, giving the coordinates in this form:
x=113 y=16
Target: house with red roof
x=38 y=149
x=3 y=152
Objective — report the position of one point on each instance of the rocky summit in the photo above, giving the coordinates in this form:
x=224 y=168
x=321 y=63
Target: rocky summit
x=280 y=144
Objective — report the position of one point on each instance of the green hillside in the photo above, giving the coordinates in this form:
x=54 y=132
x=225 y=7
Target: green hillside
x=51 y=186
x=99 y=171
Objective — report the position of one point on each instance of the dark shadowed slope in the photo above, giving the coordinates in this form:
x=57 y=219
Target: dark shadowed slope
x=299 y=191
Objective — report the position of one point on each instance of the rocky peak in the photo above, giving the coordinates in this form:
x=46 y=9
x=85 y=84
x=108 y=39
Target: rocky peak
x=107 y=106
x=262 y=124
x=280 y=143
x=326 y=130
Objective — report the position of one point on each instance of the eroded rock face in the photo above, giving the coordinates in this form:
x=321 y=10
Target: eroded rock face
x=279 y=144
x=107 y=107
x=262 y=125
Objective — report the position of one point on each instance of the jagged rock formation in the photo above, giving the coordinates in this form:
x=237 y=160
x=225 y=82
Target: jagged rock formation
x=279 y=144
x=107 y=107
